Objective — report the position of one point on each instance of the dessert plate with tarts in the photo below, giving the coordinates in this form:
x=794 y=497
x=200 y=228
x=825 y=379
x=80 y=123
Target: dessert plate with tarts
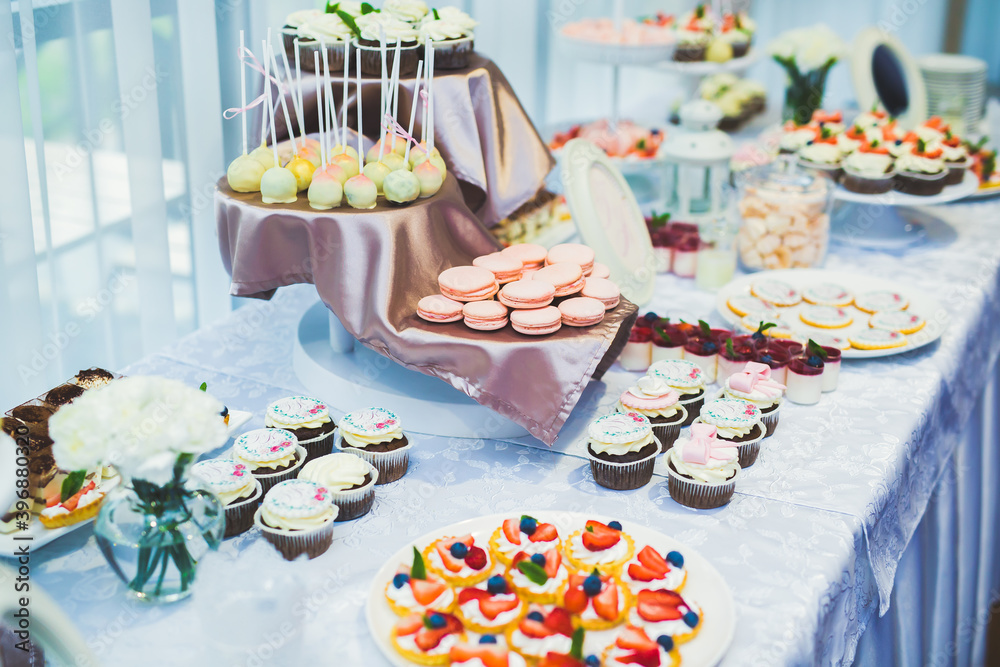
x=835 y=308
x=702 y=585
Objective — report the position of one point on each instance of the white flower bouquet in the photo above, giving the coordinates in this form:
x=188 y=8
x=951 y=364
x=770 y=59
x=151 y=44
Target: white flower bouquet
x=807 y=54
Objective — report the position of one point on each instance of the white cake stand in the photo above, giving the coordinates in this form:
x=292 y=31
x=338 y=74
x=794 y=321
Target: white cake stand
x=888 y=221
x=350 y=377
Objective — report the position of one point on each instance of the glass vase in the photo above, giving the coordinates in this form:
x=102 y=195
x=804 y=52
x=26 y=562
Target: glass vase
x=153 y=535
x=804 y=94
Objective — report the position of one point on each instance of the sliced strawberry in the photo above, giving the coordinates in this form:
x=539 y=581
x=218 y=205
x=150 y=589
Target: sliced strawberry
x=606 y=602
x=656 y=606
x=476 y=558
x=598 y=537
x=494 y=606
x=518 y=557
x=535 y=629
x=650 y=558
x=640 y=573
x=52 y=500
x=425 y=592
x=552 y=659
x=553 y=559
x=450 y=562
x=575 y=600
x=635 y=638
x=649 y=657
x=72 y=502
x=467 y=540
x=545 y=532
x=491 y=655
x=467 y=594
x=512 y=529
x=409 y=624
x=429 y=639
x=560 y=621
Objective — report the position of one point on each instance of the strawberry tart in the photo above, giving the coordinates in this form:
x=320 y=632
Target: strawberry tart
x=542 y=631
x=413 y=590
x=651 y=569
x=599 y=545
x=458 y=560
x=490 y=607
x=634 y=646
x=665 y=612
x=525 y=534
x=600 y=601
x=489 y=651
x=427 y=639
x=537 y=577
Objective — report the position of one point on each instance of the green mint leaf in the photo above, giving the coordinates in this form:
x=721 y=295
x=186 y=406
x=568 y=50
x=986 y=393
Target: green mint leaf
x=590 y=529
x=349 y=20
x=417 y=570
x=921 y=146
x=366 y=8
x=427 y=622
x=437 y=17
x=204 y=386
x=706 y=330
x=729 y=347
x=817 y=349
x=72 y=484
x=662 y=333
x=332 y=7
x=576 y=648
x=534 y=572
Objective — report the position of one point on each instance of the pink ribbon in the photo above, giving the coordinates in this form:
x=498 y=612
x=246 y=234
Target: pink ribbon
x=247 y=56
x=702 y=444
x=391 y=125
x=755 y=375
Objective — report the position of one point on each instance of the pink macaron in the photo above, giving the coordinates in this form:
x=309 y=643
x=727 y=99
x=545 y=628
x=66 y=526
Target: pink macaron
x=506 y=269
x=577 y=253
x=603 y=290
x=468 y=283
x=566 y=277
x=531 y=255
x=527 y=294
x=485 y=315
x=581 y=311
x=536 y=321
x=437 y=308
x=600 y=271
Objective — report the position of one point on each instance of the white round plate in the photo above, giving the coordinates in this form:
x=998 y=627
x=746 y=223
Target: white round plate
x=929 y=308
x=705 y=585
x=968 y=186
x=705 y=68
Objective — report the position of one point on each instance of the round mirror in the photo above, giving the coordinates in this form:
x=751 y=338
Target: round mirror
x=890 y=81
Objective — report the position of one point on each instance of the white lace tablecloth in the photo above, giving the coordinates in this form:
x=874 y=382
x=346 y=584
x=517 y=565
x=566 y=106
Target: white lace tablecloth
x=809 y=545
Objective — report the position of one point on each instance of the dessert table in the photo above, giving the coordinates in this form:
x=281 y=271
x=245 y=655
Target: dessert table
x=878 y=501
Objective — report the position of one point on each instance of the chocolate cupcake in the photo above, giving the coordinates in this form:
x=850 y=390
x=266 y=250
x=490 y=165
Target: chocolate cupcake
x=306 y=418
x=755 y=384
x=372 y=27
x=921 y=175
x=868 y=173
x=656 y=401
x=702 y=470
x=271 y=455
x=737 y=422
x=349 y=479
x=622 y=450
x=63 y=394
x=376 y=435
x=297 y=517
x=453 y=44
x=239 y=492
x=688 y=379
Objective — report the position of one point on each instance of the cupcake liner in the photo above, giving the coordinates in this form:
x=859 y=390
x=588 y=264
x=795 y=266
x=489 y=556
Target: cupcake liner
x=770 y=421
x=699 y=495
x=269 y=480
x=337 y=52
x=390 y=465
x=624 y=476
x=693 y=409
x=668 y=433
x=239 y=515
x=749 y=449
x=371 y=58
x=294 y=543
x=356 y=502
x=452 y=53
x=317 y=447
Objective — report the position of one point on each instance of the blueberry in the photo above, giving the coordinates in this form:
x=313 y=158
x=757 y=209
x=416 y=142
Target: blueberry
x=651 y=317
x=487 y=639
x=536 y=616
x=757 y=336
x=766 y=359
x=592 y=585
x=898 y=142
x=528 y=525
x=496 y=585
x=666 y=642
x=400 y=579
x=616 y=525
x=691 y=619
x=710 y=347
x=459 y=550
x=814 y=361
x=675 y=558
x=437 y=621
x=592 y=661
x=538 y=559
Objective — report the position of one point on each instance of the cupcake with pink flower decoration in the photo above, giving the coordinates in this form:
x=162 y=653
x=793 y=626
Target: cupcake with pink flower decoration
x=653 y=398
x=754 y=384
x=233 y=484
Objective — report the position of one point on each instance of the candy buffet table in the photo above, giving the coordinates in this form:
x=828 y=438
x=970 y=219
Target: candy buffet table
x=814 y=545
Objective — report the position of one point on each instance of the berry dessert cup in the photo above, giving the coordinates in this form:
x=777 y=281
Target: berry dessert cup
x=704 y=352
x=776 y=357
x=805 y=380
x=668 y=343
x=831 y=368
x=638 y=351
x=734 y=355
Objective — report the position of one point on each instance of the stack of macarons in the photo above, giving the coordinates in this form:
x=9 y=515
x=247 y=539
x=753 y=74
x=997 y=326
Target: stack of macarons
x=526 y=279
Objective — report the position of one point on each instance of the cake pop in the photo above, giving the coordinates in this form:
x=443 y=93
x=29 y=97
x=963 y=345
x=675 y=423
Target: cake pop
x=263 y=153
x=332 y=169
x=376 y=170
x=244 y=173
x=345 y=156
x=325 y=191
x=300 y=167
x=308 y=147
x=402 y=186
x=431 y=178
x=277 y=185
x=361 y=193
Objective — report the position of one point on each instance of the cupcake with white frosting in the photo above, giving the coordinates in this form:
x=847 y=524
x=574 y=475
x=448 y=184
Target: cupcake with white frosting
x=823 y=155
x=654 y=399
x=870 y=170
x=272 y=455
x=376 y=435
x=350 y=480
x=453 y=38
x=921 y=172
x=688 y=379
x=754 y=384
x=316 y=32
x=702 y=469
x=622 y=450
x=297 y=517
x=236 y=488
x=308 y=419
x=372 y=27
x=739 y=422
x=411 y=11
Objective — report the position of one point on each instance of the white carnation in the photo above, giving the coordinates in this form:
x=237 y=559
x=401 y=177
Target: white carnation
x=810 y=48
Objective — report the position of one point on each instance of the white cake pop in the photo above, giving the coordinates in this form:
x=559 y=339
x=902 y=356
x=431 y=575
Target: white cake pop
x=430 y=179
x=401 y=187
x=325 y=191
x=360 y=191
x=277 y=185
x=265 y=155
x=244 y=174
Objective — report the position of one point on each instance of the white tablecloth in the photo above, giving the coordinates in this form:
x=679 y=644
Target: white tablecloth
x=810 y=545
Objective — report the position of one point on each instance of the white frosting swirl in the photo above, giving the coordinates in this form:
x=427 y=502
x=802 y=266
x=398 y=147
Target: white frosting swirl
x=538 y=647
x=338 y=472
x=617 y=449
x=442 y=30
x=403 y=597
x=793 y=140
x=453 y=15
x=327 y=28
x=371 y=27
x=302 y=16
x=954 y=153
x=869 y=165
x=472 y=612
x=919 y=164
x=820 y=153
x=407 y=10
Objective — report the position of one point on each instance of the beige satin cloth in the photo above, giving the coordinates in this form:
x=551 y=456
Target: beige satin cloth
x=371 y=267
x=481 y=130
